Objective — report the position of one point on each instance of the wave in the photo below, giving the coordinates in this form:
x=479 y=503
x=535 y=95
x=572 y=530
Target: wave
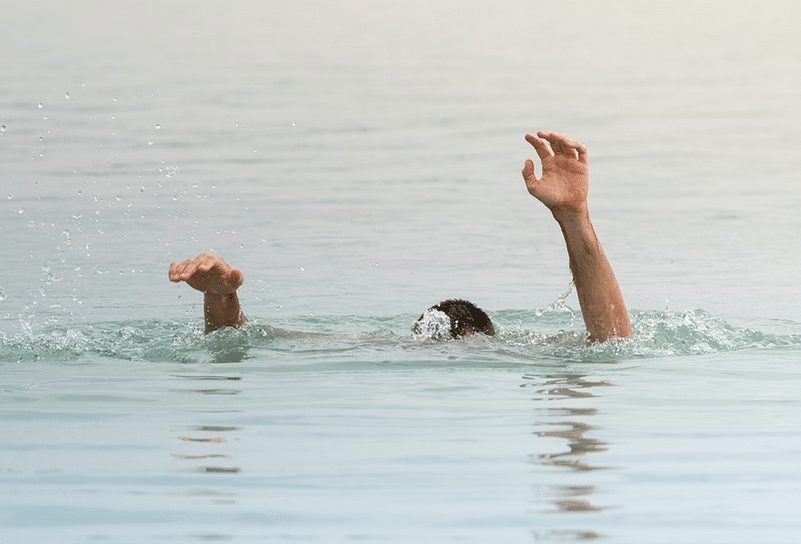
x=654 y=334
x=523 y=335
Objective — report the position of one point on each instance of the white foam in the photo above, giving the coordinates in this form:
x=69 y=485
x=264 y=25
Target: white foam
x=432 y=325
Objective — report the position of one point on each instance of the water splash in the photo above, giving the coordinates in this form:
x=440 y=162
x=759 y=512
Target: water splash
x=432 y=325
x=654 y=334
x=559 y=305
x=524 y=337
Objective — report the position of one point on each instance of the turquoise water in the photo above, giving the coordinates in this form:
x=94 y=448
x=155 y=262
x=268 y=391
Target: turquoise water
x=360 y=162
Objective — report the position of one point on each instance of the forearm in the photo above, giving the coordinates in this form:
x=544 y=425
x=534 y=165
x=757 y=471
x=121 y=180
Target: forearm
x=222 y=311
x=599 y=295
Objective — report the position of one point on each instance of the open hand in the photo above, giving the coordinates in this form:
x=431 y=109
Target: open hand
x=207 y=273
x=565 y=173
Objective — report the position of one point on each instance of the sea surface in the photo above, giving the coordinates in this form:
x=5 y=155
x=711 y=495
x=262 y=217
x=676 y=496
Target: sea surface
x=360 y=161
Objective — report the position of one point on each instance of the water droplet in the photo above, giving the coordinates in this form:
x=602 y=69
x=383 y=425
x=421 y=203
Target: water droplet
x=114 y=99
x=21 y=211
x=150 y=142
x=2 y=294
x=67 y=95
x=157 y=127
x=10 y=196
x=113 y=117
x=3 y=128
x=83 y=84
x=293 y=124
x=141 y=189
x=302 y=269
x=40 y=105
x=118 y=198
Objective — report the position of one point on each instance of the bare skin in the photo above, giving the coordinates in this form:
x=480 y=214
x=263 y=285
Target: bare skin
x=563 y=189
x=218 y=282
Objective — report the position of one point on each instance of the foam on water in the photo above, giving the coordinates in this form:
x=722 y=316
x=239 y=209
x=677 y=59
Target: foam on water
x=523 y=336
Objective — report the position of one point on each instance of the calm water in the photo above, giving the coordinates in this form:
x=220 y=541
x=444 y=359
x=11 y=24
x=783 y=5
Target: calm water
x=360 y=161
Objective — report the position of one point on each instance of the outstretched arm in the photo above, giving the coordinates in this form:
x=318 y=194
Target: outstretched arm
x=219 y=282
x=563 y=189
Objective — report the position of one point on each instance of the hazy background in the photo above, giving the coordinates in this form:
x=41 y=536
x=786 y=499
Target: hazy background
x=364 y=157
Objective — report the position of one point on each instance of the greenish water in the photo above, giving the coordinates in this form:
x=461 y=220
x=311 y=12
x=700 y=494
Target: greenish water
x=359 y=161
x=526 y=337
x=352 y=430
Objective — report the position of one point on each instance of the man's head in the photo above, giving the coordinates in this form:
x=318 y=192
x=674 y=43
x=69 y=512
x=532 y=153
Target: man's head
x=455 y=318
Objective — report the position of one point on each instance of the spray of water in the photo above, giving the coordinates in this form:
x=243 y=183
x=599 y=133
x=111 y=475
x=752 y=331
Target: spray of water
x=523 y=336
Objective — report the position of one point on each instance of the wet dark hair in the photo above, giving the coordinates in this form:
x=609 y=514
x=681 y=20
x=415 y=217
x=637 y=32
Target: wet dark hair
x=465 y=318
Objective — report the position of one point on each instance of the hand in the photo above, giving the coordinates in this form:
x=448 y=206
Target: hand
x=564 y=183
x=207 y=273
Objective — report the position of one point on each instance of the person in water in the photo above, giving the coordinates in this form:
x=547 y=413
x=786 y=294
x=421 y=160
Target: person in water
x=562 y=188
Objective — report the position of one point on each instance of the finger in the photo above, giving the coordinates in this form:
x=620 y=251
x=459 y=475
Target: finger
x=171 y=274
x=176 y=270
x=182 y=268
x=236 y=278
x=541 y=147
x=582 y=153
x=528 y=173
x=207 y=264
x=561 y=144
x=189 y=271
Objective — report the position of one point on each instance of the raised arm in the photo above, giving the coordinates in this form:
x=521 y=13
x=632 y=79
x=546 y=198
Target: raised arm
x=218 y=282
x=563 y=189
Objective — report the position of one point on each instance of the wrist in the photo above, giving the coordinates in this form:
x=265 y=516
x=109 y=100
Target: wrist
x=571 y=216
x=220 y=297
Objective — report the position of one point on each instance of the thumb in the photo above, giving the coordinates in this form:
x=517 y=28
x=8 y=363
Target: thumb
x=528 y=172
x=235 y=278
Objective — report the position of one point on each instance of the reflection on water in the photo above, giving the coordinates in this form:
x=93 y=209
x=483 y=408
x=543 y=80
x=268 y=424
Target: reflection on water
x=211 y=437
x=205 y=377
x=213 y=391
x=571 y=421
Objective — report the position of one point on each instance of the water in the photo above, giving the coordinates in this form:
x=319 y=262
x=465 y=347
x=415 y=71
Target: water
x=360 y=162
